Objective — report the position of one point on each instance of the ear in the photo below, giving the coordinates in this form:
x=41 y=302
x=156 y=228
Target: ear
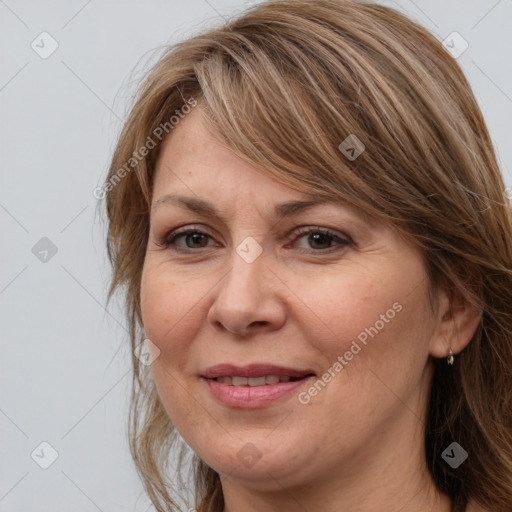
x=456 y=323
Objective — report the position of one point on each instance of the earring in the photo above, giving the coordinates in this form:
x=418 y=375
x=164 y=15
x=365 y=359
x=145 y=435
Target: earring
x=450 y=358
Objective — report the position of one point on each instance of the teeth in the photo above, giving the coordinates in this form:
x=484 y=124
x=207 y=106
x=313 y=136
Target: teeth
x=225 y=380
x=256 y=381
x=240 y=381
x=253 y=381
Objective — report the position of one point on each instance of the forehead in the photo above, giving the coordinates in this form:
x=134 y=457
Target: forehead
x=197 y=171
x=193 y=162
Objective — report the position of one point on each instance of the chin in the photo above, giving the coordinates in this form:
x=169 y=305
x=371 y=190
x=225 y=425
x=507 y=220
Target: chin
x=258 y=460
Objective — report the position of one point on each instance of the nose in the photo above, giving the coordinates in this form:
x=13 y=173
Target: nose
x=248 y=299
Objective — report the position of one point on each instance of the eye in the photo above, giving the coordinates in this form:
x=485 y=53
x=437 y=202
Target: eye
x=319 y=239
x=193 y=238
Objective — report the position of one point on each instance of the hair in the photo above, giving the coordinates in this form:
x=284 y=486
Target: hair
x=282 y=84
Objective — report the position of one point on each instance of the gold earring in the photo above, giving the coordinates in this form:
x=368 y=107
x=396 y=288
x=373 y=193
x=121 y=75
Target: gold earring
x=450 y=358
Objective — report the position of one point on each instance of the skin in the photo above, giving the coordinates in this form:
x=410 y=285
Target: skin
x=358 y=444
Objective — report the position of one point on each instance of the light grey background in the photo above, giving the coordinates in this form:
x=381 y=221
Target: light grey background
x=64 y=374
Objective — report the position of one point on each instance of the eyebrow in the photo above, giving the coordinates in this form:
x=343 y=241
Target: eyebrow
x=205 y=208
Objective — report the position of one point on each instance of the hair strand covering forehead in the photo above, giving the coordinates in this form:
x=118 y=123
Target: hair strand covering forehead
x=283 y=85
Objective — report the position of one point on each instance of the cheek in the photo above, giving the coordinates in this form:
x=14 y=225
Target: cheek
x=380 y=330
x=342 y=306
x=167 y=313
x=169 y=308
x=375 y=320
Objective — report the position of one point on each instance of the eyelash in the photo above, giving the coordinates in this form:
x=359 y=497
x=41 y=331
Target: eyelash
x=168 y=241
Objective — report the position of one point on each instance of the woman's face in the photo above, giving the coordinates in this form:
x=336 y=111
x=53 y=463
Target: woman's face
x=251 y=294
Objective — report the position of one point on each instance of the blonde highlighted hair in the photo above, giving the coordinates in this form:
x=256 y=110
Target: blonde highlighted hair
x=282 y=85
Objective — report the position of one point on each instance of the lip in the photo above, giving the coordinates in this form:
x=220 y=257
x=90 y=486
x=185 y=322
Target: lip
x=252 y=397
x=253 y=370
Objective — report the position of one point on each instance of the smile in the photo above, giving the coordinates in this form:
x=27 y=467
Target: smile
x=255 y=381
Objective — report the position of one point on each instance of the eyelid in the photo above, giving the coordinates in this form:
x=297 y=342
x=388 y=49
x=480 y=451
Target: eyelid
x=169 y=236
x=341 y=239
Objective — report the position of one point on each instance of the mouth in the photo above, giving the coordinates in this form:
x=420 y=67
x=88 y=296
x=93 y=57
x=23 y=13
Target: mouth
x=253 y=386
x=259 y=374
x=266 y=380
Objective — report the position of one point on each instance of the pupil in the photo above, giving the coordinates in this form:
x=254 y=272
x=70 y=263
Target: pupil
x=196 y=237
x=314 y=237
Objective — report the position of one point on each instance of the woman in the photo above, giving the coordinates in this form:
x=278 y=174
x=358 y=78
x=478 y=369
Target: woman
x=312 y=232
